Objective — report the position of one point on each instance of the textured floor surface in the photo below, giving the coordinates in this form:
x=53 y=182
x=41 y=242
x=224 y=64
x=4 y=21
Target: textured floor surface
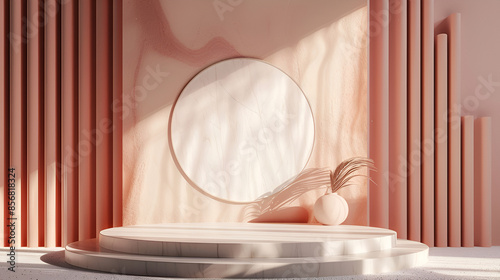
x=444 y=263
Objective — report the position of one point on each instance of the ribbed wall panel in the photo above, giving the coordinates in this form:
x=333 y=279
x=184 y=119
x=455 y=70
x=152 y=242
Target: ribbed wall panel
x=4 y=117
x=104 y=120
x=117 y=115
x=54 y=94
x=427 y=145
x=454 y=136
x=414 y=121
x=378 y=149
x=18 y=116
x=441 y=142
x=69 y=126
x=35 y=123
x=467 y=181
x=86 y=121
x=482 y=185
x=398 y=118
x=439 y=208
x=52 y=136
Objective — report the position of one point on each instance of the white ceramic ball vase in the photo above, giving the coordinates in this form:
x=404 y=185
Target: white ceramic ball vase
x=331 y=209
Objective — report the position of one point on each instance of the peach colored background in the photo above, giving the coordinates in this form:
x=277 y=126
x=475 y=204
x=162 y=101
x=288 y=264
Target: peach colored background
x=480 y=58
x=320 y=44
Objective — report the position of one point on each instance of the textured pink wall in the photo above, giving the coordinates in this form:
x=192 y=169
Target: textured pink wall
x=320 y=44
x=480 y=78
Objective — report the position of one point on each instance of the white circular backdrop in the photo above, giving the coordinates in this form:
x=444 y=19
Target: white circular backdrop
x=240 y=129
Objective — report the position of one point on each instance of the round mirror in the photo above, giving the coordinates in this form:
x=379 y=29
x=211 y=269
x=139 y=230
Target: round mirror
x=240 y=129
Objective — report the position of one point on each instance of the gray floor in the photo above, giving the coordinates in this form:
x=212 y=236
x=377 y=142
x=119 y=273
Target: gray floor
x=444 y=263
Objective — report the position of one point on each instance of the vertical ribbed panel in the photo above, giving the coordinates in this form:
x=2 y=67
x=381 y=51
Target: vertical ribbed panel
x=397 y=119
x=104 y=124
x=86 y=111
x=51 y=120
x=69 y=111
x=378 y=149
x=454 y=105
x=56 y=112
x=468 y=181
x=414 y=105
x=4 y=118
x=17 y=114
x=427 y=145
x=443 y=208
x=482 y=184
x=441 y=141
x=117 y=115
x=35 y=130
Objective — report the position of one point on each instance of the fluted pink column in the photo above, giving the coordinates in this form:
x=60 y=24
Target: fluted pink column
x=117 y=116
x=378 y=192
x=398 y=120
x=482 y=185
x=104 y=81
x=69 y=119
x=51 y=120
x=454 y=105
x=87 y=138
x=4 y=119
x=414 y=106
x=441 y=141
x=428 y=122
x=467 y=190
x=18 y=115
x=35 y=124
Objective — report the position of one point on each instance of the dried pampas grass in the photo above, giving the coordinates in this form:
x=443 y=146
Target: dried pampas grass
x=346 y=171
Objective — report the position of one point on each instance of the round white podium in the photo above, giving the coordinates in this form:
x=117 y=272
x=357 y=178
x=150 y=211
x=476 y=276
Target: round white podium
x=241 y=250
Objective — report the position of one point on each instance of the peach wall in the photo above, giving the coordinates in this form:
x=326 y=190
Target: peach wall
x=480 y=78
x=320 y=44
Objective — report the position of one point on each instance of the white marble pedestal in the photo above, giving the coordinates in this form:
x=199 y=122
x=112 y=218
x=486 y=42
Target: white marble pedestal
x=246 y=250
